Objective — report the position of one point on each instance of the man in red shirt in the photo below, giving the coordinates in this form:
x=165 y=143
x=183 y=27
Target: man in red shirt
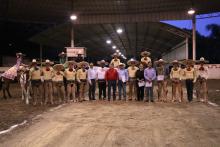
x=111 y=77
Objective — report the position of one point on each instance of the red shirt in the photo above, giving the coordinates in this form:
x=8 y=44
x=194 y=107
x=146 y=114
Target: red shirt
x=111 y=74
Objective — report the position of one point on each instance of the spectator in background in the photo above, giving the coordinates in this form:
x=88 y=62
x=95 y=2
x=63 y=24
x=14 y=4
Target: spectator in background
x=145 y=58
x=115 y=61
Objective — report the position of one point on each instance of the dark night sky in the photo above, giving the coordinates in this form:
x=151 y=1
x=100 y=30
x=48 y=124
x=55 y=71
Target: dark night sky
x=201 y=23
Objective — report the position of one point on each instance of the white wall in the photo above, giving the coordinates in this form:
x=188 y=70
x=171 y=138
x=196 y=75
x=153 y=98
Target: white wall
x=177 y=53
x=213 y=70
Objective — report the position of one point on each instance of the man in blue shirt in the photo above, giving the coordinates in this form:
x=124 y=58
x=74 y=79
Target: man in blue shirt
x=122 y=79
x=150 y=76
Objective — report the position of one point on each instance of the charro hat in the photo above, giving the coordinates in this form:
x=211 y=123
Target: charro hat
x=115 y=55
x=58 y=67
x=122 y=64
x=145 y=53
x=62 y=54
x=20 y=54
x=189 y=62
x=202 y=60
x=160 y=61
x=83 y=63
x=132 y=62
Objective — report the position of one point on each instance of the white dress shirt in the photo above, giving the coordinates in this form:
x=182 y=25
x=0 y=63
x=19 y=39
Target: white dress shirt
x=101 y=73
x=91 y=74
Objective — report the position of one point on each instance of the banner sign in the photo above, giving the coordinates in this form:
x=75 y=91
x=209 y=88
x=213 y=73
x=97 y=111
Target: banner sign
x=75 y=51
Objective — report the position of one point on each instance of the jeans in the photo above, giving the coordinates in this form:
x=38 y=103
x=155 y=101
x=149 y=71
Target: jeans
x=122 y=87
x=150 y=92
x=111 y=85
x=189 y=89
x=92 y=90
x=140 y=93
x=102 y=89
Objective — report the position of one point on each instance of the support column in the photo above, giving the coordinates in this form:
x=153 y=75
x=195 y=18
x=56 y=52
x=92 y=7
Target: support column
x=41 y=55
x=187 y=48
x=72 y=35
x=194 y=37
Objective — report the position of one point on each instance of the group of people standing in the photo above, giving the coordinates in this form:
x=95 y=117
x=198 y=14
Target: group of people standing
x=69 y=79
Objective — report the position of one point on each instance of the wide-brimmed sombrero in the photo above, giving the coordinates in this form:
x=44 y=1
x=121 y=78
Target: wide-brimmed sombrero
x=83 y=63
x=20 y=54
x=175 y=62
x=145 y=53
x=58 y=67
x=62 y=54
x=115 y=55
x=34 y=61
x=47 y=61
x=71 y=63
x=160 y=61
x=102 y=62
x=132 y=62
x=202 y=60
x=188 y=62
x=122 y=64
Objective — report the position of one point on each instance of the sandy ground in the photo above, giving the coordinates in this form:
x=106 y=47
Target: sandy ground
x=127 y=124
x=101 y=123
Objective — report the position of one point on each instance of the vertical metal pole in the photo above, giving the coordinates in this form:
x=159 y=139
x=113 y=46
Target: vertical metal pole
x=187 y=48
x=72 y=35
x=194 y=37
x=41 y=55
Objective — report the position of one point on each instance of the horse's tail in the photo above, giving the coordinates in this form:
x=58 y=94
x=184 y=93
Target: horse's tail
x=1 y=83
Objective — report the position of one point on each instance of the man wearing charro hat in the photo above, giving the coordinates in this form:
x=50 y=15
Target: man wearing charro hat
x=189 y=74
x=122 y=80
x=176 y=77
x=115 y=61
x=35 y=78
x=70 y=74
x=145 y=57
x=82 y=79
x=62 y=57
x=58 y=82
x=101 y=79
x=162 y=75
x=48 y=73
x=132 y=69
x=202 y=76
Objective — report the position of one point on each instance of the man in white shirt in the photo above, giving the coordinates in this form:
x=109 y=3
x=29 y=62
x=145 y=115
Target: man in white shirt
x=92 y=81
x=202 y=76
x=101 y=79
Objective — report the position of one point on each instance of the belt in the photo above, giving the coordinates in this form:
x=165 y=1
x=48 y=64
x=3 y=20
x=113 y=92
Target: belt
x=70 y=81
x=101 y=80
x=83 y=80
x=48 y=80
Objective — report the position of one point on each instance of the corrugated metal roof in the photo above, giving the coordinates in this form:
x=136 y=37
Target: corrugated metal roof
x=155 y=37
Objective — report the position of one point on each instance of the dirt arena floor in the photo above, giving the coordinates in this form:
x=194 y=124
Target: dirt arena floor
x=102 y=123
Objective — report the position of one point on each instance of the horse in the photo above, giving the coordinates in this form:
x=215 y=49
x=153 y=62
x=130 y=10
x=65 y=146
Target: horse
x=4 y=86
x=25 y=86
